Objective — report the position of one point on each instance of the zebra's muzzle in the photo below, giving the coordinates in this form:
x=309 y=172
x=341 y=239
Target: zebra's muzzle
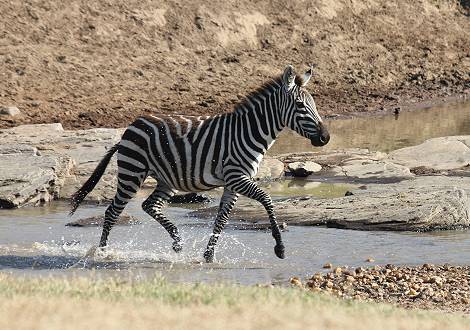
x=322 y=138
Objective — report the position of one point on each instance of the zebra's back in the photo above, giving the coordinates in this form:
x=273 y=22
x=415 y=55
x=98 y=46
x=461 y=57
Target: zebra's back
x=185 y=152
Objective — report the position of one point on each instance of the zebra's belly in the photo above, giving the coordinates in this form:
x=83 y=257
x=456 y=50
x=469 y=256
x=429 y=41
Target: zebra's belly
x=189 y=181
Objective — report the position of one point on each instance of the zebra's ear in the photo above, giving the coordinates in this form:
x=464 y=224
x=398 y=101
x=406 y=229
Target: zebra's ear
x=306 y=77
x=288 y=77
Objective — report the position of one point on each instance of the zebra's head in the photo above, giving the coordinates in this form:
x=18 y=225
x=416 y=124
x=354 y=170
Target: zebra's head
x=300 y=112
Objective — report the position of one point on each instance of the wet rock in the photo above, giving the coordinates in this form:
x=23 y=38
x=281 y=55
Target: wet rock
x=403 y=209
x=98 y=221
x=9 y=111
x=442 y=153
x=190 y=198
x=303 y=169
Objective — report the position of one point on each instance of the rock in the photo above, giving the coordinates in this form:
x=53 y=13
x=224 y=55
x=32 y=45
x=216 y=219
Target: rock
x=371 y=169
x=328 y=265
x=296 y=281
x=442 y=153
x=36 y=130
x=270 y=168
x=402 y=209
x=303 y=169
x=10 y=111
x=18 y=148
x=370 y=260
x=37 y=180
x=97 y=221
x=190 y=198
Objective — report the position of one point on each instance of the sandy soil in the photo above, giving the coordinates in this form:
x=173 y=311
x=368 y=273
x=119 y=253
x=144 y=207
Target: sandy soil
x=103 y=63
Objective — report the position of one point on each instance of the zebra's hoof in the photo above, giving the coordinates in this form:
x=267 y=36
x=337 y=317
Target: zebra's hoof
x=279 y=251
x=209 y=256
x=177 y=247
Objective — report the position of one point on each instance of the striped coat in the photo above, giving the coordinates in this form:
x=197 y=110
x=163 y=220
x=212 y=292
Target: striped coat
x=185 y=153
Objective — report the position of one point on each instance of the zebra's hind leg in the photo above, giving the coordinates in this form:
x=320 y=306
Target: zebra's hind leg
x=126 y=189
x=153 y=206
x=226 y=205
x=123 y=195
x=243 y=185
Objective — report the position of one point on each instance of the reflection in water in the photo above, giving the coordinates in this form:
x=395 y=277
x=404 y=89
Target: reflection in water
x=386 y=133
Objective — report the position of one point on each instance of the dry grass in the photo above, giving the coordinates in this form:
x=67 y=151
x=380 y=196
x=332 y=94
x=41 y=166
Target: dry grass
x=84 y=303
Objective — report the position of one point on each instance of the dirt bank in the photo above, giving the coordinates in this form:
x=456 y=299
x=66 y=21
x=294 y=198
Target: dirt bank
x=90 y=64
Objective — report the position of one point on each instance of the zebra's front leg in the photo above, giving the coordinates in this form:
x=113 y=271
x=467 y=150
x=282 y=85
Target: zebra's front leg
x=227 y=202
x=243 y=185
x=153 y=206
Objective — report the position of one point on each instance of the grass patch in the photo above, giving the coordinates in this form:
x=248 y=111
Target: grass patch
x=81 y=303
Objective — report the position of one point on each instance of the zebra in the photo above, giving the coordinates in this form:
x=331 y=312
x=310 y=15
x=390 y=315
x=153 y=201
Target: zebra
x=188 y=153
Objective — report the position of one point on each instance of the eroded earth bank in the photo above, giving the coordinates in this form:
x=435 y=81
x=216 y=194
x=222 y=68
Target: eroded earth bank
x=101 y=64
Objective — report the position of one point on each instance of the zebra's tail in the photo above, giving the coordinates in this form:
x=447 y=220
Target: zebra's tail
x=88 y=186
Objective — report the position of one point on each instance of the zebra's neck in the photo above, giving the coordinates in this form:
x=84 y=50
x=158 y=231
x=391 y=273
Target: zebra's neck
x=259 y=117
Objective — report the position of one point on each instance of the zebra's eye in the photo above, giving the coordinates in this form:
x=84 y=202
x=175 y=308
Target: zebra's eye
x=300 y=104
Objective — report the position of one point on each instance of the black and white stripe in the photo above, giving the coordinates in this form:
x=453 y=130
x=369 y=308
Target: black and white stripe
x=185 y=153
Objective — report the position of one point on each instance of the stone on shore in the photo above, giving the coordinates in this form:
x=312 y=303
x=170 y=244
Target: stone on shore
x=9 y=111
x=444 y=153
x=98 y=221
x=405 y=209
x=303 y=169
x=27 y=178
x=270 y=168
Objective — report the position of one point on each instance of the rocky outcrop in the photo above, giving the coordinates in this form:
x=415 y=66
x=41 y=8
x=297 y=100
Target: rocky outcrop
x=39 y=163
x=303 y=169
x=98 y=221
x=442 y=153
x=400 y=208
x=28 y=177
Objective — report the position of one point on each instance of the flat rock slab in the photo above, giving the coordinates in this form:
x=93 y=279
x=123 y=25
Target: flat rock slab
x=407 y=210
x=444 y=153
x=98 y=221
x=28 y=178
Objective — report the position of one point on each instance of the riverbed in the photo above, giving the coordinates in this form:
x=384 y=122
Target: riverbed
x=35 y=241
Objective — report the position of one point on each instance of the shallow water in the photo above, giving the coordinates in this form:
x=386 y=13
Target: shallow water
x=38 y=243
x=386 y=133
x=35 y=241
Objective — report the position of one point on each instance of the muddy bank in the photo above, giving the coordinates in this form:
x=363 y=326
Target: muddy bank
x=443 y=287
x=123 y=59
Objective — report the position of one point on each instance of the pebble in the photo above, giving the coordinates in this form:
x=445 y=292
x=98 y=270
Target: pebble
x=428 y=286
x=10 y=111
x=296 y=281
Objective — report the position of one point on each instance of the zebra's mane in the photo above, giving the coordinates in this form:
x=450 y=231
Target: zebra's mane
x=247 y=101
